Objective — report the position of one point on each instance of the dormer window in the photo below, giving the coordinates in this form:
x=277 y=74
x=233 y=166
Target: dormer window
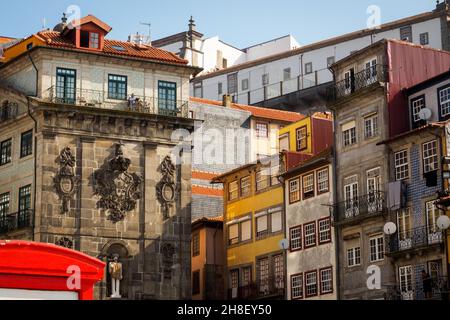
x=89 y=40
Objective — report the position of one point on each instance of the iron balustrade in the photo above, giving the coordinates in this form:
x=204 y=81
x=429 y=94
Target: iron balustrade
x=8 y=111
x=16 y=221
x=413 y=290
x=270 y=287
x=134 y=103
x=414 y=238
x=360 y=207
x=357 y=81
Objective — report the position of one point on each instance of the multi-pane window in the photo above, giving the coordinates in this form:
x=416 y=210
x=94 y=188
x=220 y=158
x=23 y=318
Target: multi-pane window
x=296 y=238
x=245 y=186
x=310 y=235
x=354 y=257
x=349 y=134
x=246 y=276
x=24 y=199
x=371 y=126
x=196 y=282
x=294 y=190
x=262 y=226
x=167 y=97
x=404 y=224
x=233 y=190
x=4 y=206
x=325 y=231
x=326 y=281
x=234 y=278
x=297 y=286
x=308 y=68
x=117 y=87
x=323 y=181
x=66 y=85
x=444 y=101
x=311 y=284
x=94 y=40
x=262 y=130
x=278 y=262
x=401 y=165
x=424 y=38
x=430 y=156
x=276 y=221
x=405 y=275
x=416 y=106
x=433 y=214
x=233 y=234
x=196 y=244
x=263 y=178
x=371 y=69
x=264 y=275
x=302 y=138
x=308 y=186
x=5 y=152
x=376 y=248
x=26 y=144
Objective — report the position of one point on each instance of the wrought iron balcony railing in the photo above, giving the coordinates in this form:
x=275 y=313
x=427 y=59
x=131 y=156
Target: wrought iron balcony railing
x=271 y=287
x=8 y=111
x=356 y=82
x=134 y=103
x=414 y=290
x=16 y=221
x=360 y=207
x=414 y=238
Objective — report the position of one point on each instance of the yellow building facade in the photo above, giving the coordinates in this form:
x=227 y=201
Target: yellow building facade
x=254 y=227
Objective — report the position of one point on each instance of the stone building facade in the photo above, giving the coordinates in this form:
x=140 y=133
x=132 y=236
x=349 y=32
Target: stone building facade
x=104 y=174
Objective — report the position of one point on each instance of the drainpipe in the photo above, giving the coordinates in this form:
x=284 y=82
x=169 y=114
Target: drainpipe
x=215 y=268
x=37 y=75
x=335 y=198
x=34 y=164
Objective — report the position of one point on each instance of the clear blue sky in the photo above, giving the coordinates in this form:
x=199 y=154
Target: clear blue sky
x=238 y=22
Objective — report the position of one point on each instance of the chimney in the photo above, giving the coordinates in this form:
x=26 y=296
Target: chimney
x=226 y=101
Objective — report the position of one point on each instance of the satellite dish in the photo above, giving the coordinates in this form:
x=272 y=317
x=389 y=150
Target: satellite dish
x=284 y=244
x=390 y=228
x=425 y=114
x=443 y=223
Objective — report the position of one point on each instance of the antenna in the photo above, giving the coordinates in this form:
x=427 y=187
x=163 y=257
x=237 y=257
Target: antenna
x=44 y=23
x=149 y=25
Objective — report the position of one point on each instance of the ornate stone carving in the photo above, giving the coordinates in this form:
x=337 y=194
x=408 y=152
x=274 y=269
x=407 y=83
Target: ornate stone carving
x=166 y=188
x=64 y=242
x=118 y=189
x=66 y=182
x=167 y=251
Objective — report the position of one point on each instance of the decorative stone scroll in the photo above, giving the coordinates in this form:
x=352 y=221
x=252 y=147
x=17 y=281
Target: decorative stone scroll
x=64 y=242
x=66 y=182
x=118 y=189
x=168 y=252
x=166 y=188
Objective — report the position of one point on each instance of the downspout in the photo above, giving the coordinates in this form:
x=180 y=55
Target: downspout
x=215 y=264
x=335 y=197
x=34 y=144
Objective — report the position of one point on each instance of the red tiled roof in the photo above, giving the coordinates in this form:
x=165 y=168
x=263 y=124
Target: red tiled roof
x=280 y=115
x=54 y=39
x=200 y=175
x=6 y=40
x=205 y=191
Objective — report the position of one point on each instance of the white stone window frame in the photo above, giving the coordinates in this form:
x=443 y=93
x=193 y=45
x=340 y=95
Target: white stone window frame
x=354 y=257
x=371 y=126
x=377 y=248
x=401 y=162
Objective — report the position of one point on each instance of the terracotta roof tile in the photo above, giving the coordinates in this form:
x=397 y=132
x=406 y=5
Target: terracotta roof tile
x=54 y=39
x=89 y=19
x=4 y=40
x=280 y=115
x=206 y=191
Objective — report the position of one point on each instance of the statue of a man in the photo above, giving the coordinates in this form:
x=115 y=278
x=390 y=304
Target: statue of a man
x=115 y=270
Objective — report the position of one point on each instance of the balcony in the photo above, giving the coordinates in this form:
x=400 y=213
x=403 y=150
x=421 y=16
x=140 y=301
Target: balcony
x=410 y=290
x=272 y=288
x=8 y=111
x=100 y=100
x=414 y=239
x=356 y=82
x=16 y=221
x=353 y=210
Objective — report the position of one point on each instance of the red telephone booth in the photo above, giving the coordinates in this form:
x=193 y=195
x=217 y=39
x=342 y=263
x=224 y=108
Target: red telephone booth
x=40 y=271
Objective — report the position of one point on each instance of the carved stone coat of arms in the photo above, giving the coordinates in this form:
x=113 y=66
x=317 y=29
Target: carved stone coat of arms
x=118 y=189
